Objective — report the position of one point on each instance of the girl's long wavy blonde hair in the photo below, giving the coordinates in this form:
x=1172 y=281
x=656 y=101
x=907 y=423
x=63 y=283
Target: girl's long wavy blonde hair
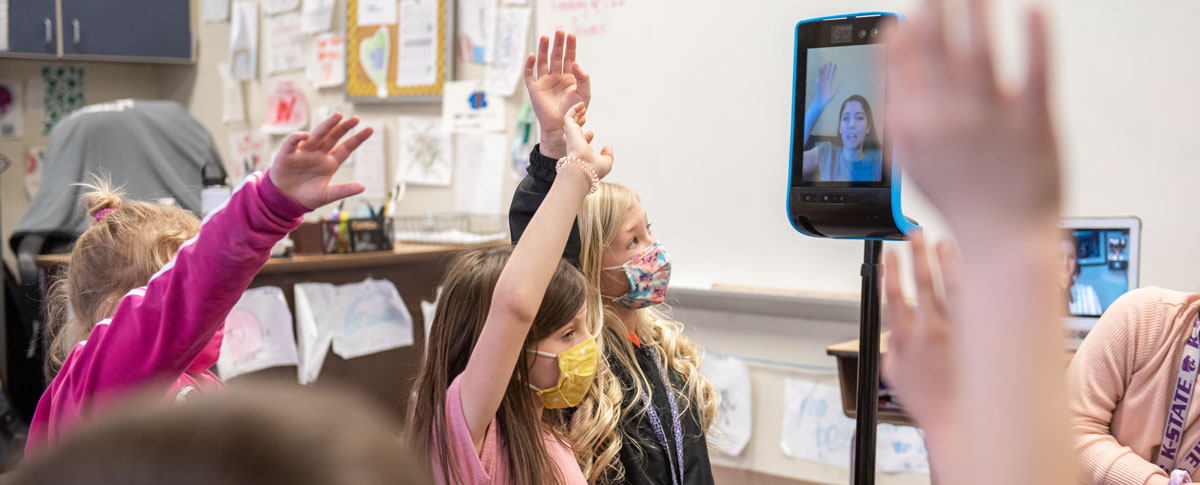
x=117 y=253
x=595 y=429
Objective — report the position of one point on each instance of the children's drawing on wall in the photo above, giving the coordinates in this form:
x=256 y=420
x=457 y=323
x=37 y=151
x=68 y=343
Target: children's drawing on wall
x=284 y=43
x=730 y=378
x=327 y=67
x=258 y=334
x=815 y=428
x=33 y=170
x=287 y=108
x=243 y=41
x=373 y=55
x=374 y=319
x=424 y=157
x=468 y=108
x=12 y=112
x=248 y=153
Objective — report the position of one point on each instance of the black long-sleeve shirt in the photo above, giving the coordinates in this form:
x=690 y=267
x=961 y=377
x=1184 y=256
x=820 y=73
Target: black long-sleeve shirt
x=644 y=459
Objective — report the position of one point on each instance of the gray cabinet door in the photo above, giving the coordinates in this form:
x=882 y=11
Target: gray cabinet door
x=129 y=28
x=32 y=27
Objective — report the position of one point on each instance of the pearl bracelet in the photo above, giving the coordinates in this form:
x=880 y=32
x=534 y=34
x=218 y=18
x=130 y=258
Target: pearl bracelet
x=581 y=166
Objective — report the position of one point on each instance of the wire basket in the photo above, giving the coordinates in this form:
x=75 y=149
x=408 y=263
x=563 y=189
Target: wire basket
x=451 y=228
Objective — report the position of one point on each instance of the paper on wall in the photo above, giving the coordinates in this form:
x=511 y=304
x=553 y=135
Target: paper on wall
x=375 y=319
x=467 y=108
x=423 y=154
x=730 y=378
x=376 y=12
x=248 y=153
x=12 y=108
x=417 y=54
x=479 y=165
x=373 y=53
x=476 y=29
x=233 y=108
x=216 y=10
x=287 y=108
x=258 y=334
x=35 y=96
x=285 y=43
x=814 y=428
x=64 y=94
x=279 y=6
x=315 y=318
x=243 y=40
x=34 y=159
x=369 y=161
x=318 y=15
x=508 y=61
x=327 y=64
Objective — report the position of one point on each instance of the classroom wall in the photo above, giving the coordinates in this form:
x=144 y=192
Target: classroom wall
x=103 y=81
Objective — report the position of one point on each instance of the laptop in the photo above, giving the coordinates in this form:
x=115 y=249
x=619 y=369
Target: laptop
x=1100 y=260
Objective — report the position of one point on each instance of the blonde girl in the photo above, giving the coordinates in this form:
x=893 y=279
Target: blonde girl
x=148 y=287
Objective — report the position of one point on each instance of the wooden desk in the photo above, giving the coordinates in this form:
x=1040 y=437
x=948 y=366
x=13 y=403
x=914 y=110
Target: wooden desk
x=846 y=354
x=415 y=269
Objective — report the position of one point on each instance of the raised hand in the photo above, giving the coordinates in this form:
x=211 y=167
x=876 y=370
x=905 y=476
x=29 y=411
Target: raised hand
x=558 y=85
x=825 y=90
x=578 y=142
x=307 y=162
x=979 y=152
x=920 y=360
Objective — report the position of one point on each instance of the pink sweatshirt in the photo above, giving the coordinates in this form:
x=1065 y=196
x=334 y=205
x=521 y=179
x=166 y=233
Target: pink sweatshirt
x=169 y=331
x=1125 y=374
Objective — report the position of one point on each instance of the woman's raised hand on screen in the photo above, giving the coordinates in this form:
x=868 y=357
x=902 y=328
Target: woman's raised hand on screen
x=825 y=89
x=557 y=84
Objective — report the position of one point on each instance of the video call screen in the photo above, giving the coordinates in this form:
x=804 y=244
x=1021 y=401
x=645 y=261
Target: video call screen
x=843 y=112
x=1094 y=269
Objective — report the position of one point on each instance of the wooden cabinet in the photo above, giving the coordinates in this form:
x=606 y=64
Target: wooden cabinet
x=118 y=30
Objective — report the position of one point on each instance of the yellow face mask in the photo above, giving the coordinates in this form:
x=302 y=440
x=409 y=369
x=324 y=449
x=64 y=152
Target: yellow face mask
x=576 y=369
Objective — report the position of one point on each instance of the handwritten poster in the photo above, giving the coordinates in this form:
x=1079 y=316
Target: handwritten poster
x=369 y=161
x=814 y=428
x=328 y=61
x=287 y=108
x=417 y=49
x=243 y=40
x=508 y=61
x=285 y=43
x=467 y=108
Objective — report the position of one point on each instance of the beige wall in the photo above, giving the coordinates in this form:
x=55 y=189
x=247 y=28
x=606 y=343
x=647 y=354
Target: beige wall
x=198 y=88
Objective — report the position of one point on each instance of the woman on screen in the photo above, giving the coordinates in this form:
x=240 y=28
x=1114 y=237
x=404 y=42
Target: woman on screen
x=1081 y=297
x=856 y=158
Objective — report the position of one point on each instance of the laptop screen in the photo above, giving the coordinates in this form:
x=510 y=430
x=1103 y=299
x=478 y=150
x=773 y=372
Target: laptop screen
x=1098 y=262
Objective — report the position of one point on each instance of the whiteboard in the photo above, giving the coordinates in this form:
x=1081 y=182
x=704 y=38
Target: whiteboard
x=695 y=98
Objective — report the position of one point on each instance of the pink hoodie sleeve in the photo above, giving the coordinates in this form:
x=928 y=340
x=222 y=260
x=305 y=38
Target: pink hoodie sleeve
x=158 y=330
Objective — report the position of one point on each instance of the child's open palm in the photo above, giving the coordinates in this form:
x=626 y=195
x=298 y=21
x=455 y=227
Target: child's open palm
x=306 y=163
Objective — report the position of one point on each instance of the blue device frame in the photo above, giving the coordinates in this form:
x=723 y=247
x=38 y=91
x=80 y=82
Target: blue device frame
x=902 y=222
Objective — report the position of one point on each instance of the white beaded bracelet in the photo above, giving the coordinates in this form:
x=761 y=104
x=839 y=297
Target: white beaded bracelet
x=580 y=165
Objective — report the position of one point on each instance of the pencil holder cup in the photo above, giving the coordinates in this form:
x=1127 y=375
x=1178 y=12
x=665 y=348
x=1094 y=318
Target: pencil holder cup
x=356 y=235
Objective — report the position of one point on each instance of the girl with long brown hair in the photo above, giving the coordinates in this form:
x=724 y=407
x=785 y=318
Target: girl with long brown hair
x=645 y=421
x=509 y=347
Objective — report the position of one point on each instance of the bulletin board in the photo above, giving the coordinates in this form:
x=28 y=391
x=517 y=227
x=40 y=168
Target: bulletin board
x=360 y=87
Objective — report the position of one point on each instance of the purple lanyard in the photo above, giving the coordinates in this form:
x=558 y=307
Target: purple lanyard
x=676 y=471
x=1181 y=397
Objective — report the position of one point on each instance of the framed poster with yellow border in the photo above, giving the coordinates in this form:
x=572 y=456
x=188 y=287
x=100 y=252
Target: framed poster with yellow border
x=376 y=70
